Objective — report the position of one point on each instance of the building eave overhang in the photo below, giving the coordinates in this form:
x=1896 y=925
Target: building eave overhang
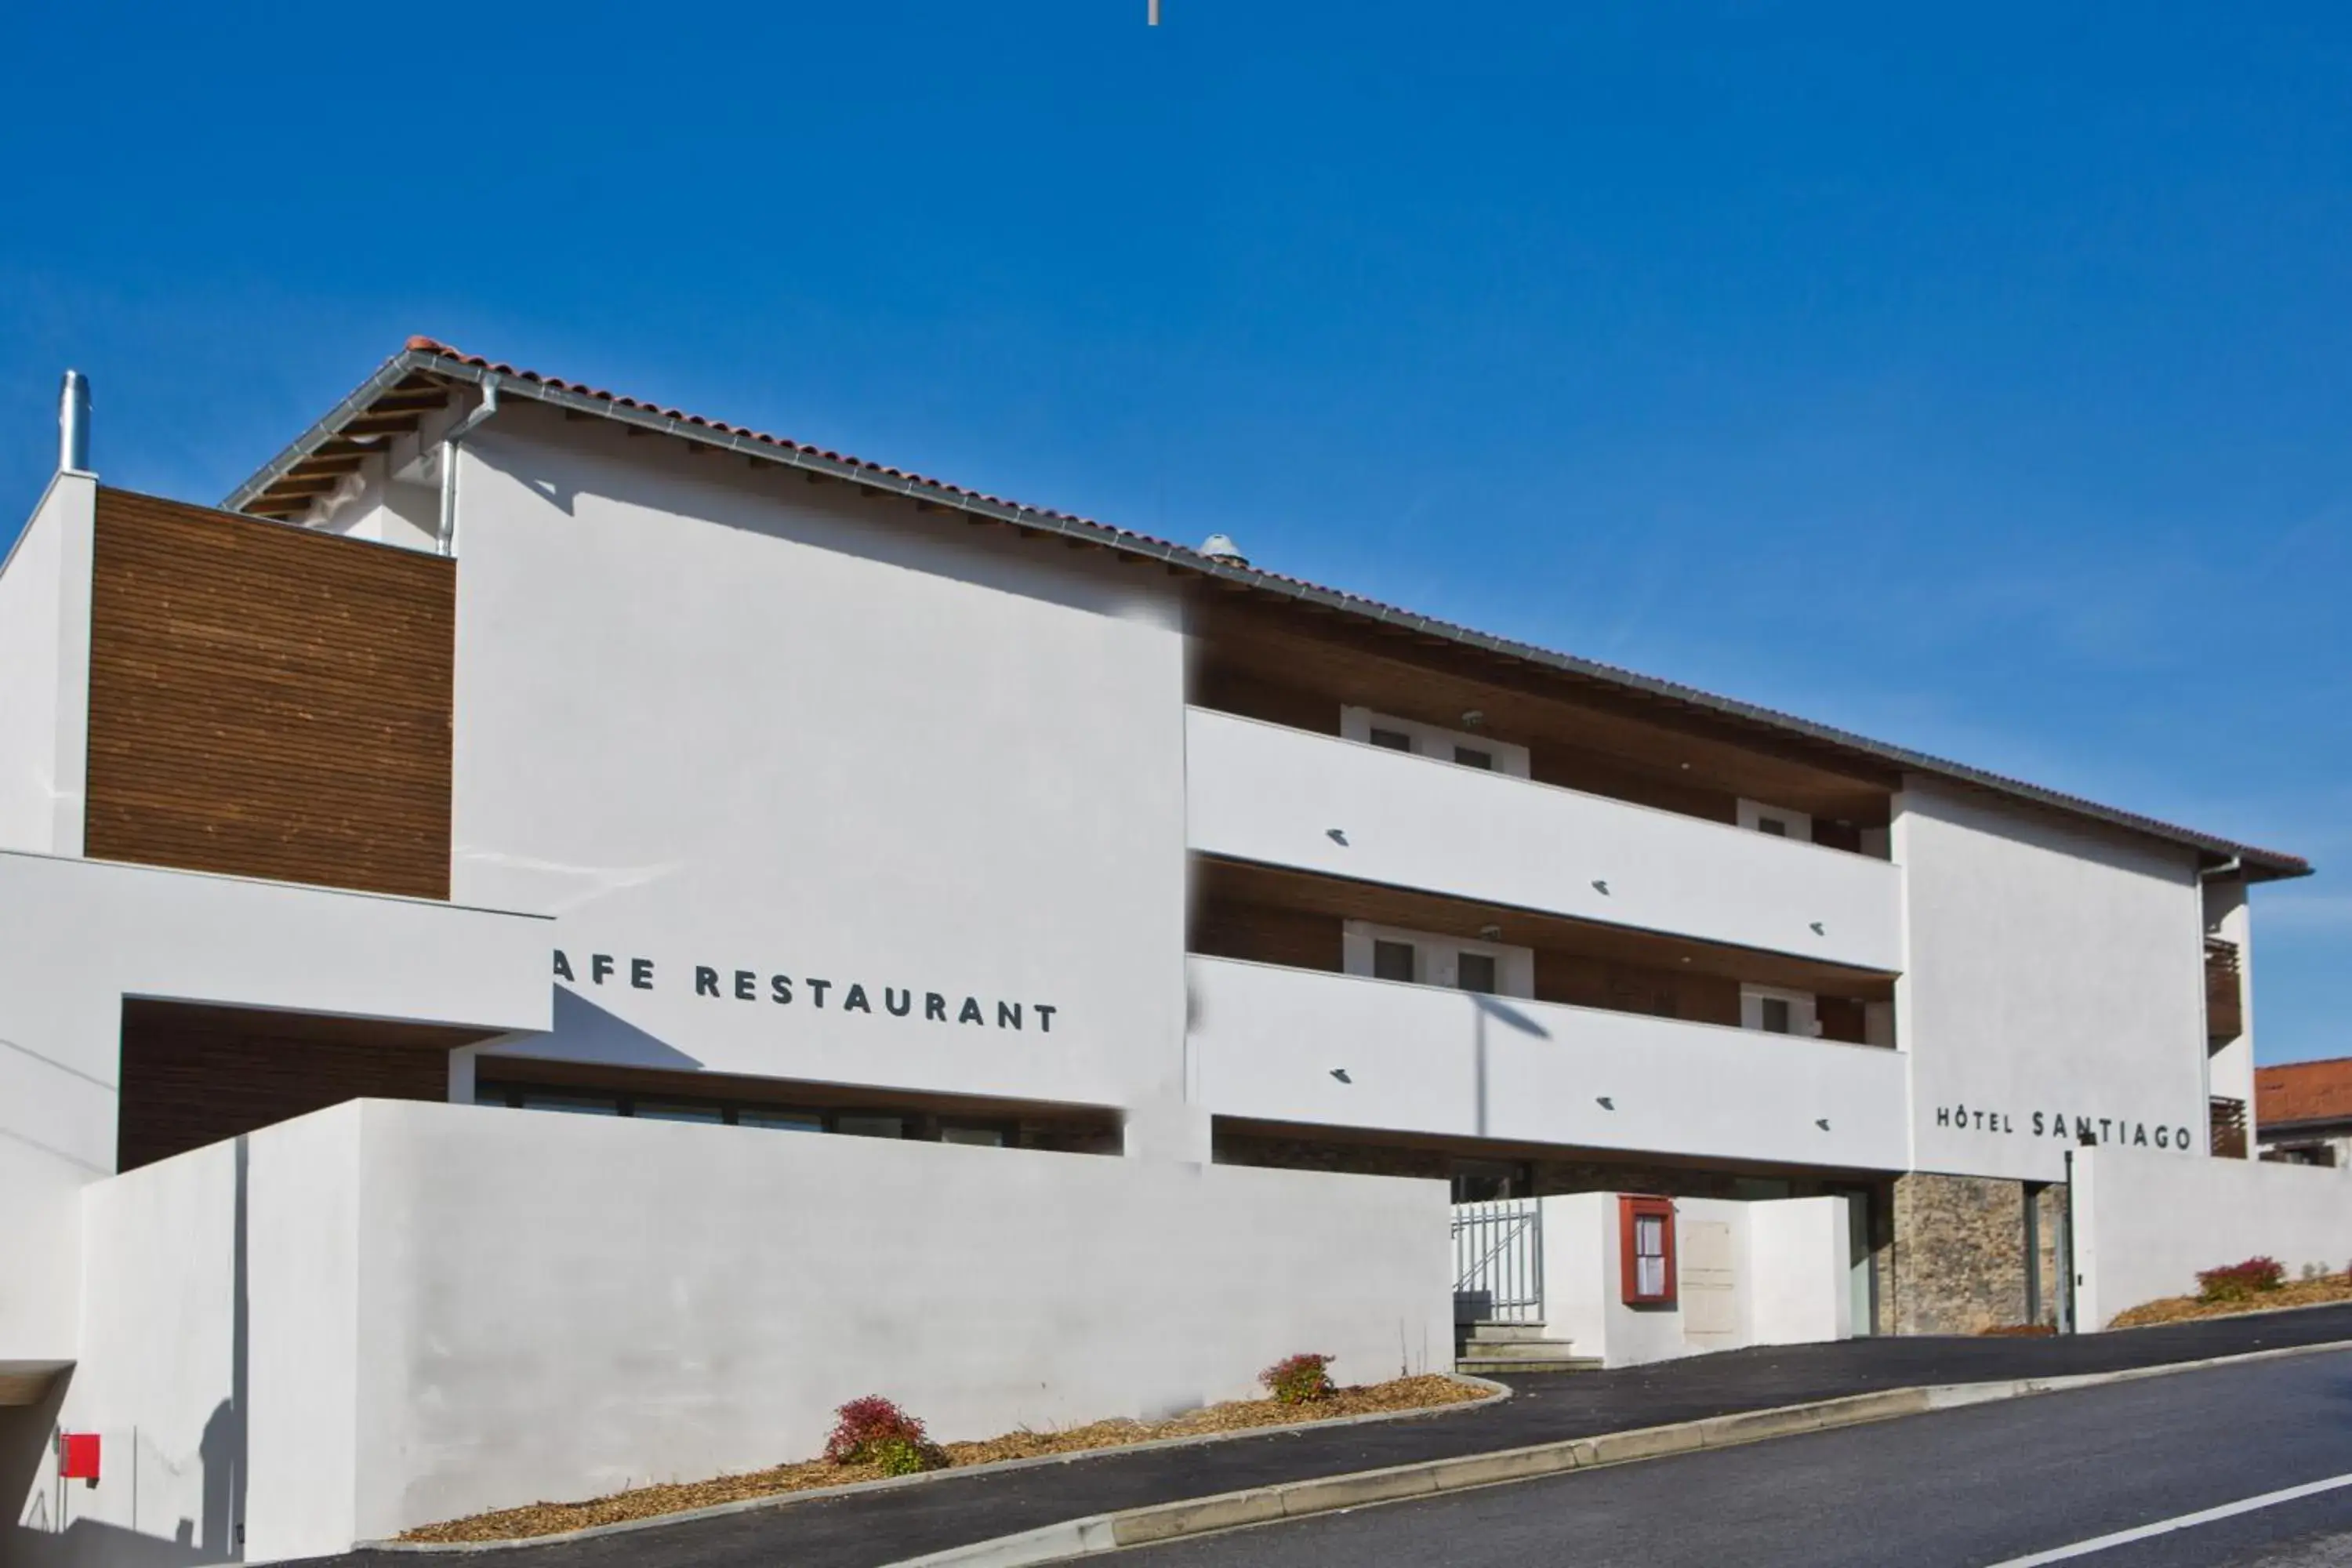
x=402 y=388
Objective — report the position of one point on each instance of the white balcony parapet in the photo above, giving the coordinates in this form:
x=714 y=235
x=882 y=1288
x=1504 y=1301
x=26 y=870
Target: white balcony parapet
x=1274 y=1044
x=1280 y=796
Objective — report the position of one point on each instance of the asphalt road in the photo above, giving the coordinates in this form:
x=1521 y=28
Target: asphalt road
x=1987 y=1485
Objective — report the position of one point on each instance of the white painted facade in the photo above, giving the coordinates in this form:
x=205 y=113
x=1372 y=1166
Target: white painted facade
x=915 y=764
x=2054 y=972
x=76 y=937
x=779 y=783
x=1770 y=1272
x=45 y=672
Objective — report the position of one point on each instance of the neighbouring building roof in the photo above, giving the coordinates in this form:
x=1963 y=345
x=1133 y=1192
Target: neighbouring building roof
x=418 y=381
x=2303 y=1092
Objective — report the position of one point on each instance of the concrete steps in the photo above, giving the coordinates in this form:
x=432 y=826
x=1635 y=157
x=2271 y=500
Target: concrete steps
x=1505 y=1348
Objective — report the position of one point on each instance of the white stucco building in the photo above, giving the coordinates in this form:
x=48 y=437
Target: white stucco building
x=505 y=747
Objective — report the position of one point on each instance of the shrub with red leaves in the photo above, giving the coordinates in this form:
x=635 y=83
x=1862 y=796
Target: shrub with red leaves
x=873 y=1430
x=1298 y=1379
x=2241 y=1280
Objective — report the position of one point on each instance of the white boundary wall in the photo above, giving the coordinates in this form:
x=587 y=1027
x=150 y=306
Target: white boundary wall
x=2145 y=1224
x=388 y=1314
x=45 y=583
x=1788 y=1277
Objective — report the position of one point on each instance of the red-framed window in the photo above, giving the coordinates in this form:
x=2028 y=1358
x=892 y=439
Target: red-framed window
x=1645 y=1239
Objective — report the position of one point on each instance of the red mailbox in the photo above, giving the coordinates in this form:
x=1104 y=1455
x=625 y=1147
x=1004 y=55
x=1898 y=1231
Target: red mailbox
x=78 y=1457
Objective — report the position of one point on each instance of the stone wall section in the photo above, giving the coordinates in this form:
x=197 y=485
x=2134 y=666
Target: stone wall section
x=1958 y=1263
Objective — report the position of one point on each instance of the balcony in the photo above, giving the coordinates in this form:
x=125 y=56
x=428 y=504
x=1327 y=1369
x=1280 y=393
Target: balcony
x=1295 y=1045
x=1279 y=796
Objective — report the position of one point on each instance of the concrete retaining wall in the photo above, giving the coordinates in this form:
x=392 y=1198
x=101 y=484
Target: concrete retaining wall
x=389 y=1313
x=2145 y=1224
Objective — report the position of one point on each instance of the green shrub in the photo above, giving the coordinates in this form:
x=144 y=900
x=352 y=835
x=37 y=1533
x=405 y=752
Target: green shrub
x=899 y=1457
x=1299 y=1379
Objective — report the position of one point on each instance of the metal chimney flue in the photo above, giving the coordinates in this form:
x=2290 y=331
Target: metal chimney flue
x=73 y=424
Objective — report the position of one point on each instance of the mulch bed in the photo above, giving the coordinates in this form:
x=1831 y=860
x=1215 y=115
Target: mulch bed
x=1431 y=1392
x=2185 y=1309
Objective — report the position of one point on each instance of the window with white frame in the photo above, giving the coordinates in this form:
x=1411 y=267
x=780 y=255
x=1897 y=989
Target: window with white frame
x=1775 y=821
x=1462 y=747
x=1425 y=958
x=1777 y=1012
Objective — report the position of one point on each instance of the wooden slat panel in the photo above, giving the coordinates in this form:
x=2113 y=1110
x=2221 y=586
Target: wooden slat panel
x=267 y=702
x=194 y=1075
x=1225 y=927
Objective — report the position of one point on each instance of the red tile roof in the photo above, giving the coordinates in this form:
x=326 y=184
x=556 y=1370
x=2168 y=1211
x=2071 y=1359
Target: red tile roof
x=2304 y=1092
x=429 y=357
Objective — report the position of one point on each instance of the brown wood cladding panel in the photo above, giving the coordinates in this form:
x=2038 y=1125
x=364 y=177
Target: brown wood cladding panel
x=1572 y=768
x=194 y=1075
x=1264 y=934
x=267 y=702
x=1231 y=690
x=1582 y=982
x=1246 y=655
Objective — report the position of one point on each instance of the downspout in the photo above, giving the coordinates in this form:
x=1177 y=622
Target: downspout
x=450 y=440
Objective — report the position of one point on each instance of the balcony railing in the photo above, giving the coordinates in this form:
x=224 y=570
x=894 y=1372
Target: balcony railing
x=1279 y=796
x=1299 y=1046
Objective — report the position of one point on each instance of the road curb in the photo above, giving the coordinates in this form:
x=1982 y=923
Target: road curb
x=1325 y=1494
x=1495 y=1394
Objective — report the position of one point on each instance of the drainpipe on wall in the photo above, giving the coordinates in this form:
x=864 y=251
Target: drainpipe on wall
x=456 y=435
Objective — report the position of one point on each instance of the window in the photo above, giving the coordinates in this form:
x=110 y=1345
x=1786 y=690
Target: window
x=976 y=1136
x=1775 y=1011
x=579 y=1104
x=1772 y=827
x=870 y=1126
x=658 y=1111
x=782 y=1121
x=1646 y=1249
x=1468 y=746
x=1476 y=971
x=1393 y=961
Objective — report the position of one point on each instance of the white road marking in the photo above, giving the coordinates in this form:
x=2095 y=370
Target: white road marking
x=2184 y=1521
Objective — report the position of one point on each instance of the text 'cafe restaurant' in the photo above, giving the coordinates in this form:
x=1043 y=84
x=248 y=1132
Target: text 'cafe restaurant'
x=506 y=746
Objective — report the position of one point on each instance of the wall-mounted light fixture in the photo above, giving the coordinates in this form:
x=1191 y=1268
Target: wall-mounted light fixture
x=1337 y=835
x=1341 y=1074
x=1822 y=1122
x=1605 y=1102
x=1490 y=934
x=1818 y=931
x=1600 y=885
x=1472 y=717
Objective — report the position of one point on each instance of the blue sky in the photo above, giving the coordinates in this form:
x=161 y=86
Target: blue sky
x=1979 y=381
